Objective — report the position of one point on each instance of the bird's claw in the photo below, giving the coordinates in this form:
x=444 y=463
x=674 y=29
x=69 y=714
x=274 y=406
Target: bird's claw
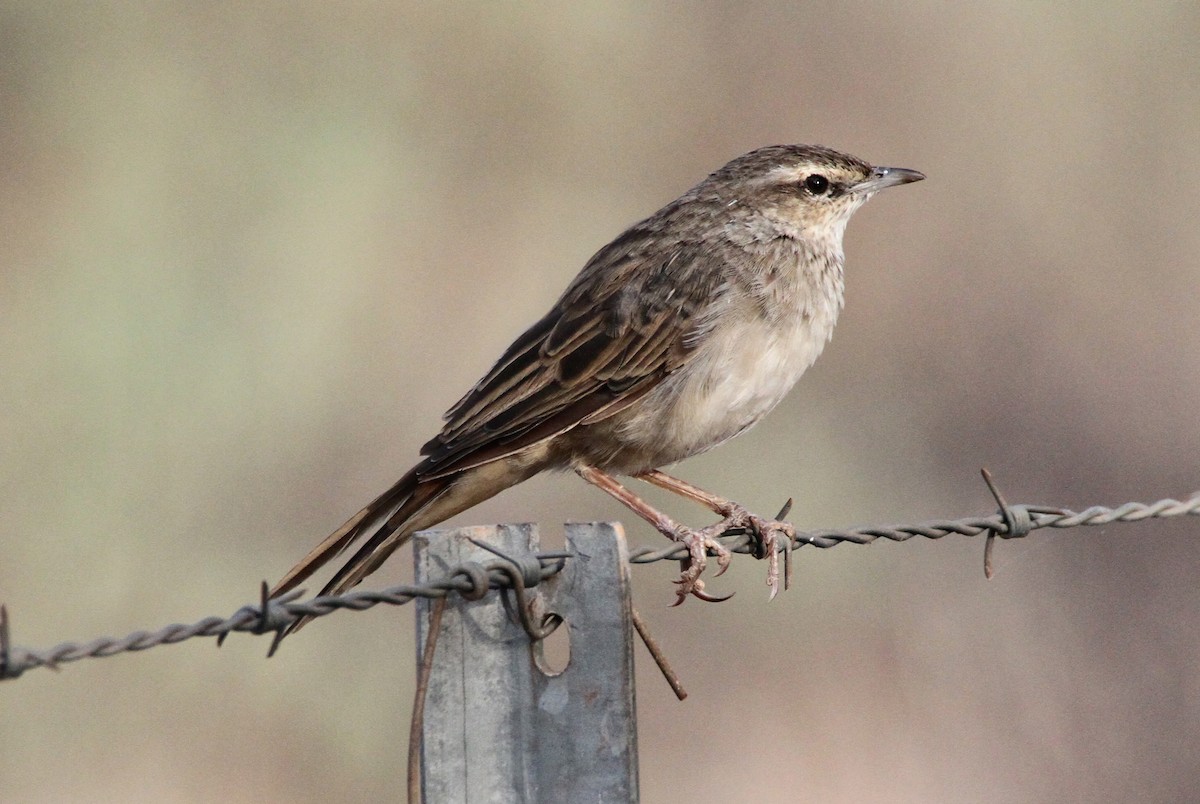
x=698 y=591
x=698 y=543
x=775 y=537
x=770 y=538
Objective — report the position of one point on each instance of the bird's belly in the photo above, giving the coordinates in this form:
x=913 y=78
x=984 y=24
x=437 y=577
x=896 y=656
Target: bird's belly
x=738 y=376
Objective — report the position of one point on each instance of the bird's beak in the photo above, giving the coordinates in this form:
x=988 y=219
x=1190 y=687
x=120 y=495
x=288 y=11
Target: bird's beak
x=883 y=177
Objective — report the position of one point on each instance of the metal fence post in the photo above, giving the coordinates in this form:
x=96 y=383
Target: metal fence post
x=498 y=729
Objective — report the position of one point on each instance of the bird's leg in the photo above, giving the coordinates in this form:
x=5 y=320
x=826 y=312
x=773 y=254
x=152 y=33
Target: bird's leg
x=772 y=535
x=698 y=542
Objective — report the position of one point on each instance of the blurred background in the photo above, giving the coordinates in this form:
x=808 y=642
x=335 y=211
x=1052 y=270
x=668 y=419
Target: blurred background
x=251 y=252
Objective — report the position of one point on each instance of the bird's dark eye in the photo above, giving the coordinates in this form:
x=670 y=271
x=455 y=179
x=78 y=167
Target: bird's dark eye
x=816 y=184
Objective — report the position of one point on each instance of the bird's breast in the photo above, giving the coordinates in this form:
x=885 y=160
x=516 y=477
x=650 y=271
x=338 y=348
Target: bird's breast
x=750 y=359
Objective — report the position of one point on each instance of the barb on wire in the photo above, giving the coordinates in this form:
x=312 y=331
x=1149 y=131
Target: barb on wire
x=267 y=616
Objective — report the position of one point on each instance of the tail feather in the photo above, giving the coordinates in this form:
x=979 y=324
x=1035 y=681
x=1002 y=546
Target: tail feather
x=413 y=504
x=337 y=542
x=390 y=536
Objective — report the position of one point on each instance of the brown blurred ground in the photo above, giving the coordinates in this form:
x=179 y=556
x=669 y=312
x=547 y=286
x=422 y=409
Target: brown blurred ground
x=251 y=252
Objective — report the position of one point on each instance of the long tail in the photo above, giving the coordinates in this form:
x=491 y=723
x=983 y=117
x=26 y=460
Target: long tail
x=377 y=514
x=412 y=504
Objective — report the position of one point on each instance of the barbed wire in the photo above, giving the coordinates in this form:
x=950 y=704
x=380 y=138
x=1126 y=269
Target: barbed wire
x=473 y=580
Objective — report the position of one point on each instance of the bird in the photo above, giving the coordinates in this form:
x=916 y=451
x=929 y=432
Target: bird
x=678 y=335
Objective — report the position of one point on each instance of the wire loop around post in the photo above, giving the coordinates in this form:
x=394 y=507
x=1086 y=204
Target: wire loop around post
x=476 y=574
x=524 y=572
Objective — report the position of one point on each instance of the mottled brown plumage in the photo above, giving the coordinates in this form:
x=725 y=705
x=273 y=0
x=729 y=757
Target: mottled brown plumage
x=676 y=336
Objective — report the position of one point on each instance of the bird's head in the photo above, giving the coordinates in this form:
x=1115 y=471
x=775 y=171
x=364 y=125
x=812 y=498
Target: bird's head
x=806 y=191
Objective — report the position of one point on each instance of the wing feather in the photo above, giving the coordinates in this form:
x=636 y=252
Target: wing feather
x=634 y=315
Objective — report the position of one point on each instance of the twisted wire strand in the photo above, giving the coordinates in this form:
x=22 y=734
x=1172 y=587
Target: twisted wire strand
x=473 y=580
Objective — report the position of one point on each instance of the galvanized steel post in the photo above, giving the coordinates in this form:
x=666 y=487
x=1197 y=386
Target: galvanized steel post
x=497 y=728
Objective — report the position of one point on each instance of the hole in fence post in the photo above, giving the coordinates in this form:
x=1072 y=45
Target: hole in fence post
x=552 y=655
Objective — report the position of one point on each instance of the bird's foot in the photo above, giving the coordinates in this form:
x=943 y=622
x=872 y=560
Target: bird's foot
x=769 y=538
x=699 y=543
x=775 y=537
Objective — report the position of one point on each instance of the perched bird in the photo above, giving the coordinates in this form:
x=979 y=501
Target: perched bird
x=678 y=335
